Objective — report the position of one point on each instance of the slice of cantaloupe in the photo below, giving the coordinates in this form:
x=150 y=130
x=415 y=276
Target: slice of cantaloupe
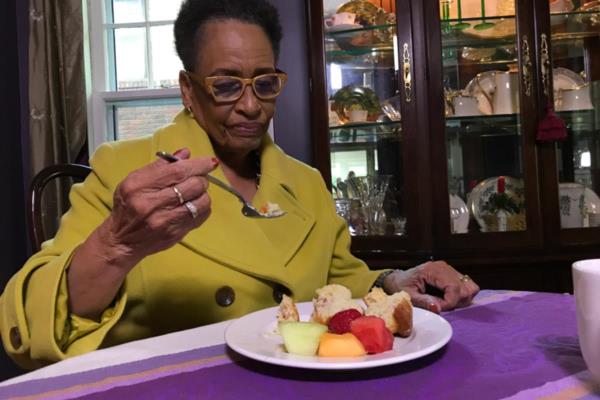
x=345 y=345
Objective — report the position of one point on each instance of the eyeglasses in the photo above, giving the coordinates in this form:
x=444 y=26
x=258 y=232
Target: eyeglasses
x=226 y=89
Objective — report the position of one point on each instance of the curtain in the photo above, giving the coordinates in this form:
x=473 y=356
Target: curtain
x=58 y=126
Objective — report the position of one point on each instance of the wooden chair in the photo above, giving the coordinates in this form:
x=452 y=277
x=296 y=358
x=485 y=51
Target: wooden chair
x=37 y=232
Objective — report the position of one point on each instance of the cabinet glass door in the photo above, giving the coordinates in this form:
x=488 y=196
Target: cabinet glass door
x=365 y=129
x=575 y=50
x=483 y=86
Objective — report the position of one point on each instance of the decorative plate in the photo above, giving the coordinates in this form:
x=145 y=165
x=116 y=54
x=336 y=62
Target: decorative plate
x=366 y=12
x=353 y=97
x=565 y=79
x=481 y=193
x=482 y=87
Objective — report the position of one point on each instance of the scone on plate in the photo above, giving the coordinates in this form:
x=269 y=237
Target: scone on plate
x=395 y=310
x=330 y=300
x=287 y=310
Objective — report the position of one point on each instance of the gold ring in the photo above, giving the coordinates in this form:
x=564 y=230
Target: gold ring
x=464 y=278
x=179 y=195
x=191 y=208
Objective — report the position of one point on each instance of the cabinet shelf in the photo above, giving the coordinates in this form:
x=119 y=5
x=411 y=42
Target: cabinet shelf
x=368 y=132
x=343 y=32
x=566 y=27
x=483 y=126
x=580 y=121
x=362 y=40
x=371 y=59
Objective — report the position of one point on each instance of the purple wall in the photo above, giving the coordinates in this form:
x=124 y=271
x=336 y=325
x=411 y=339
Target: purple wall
x=13 y=241
x=292 y=119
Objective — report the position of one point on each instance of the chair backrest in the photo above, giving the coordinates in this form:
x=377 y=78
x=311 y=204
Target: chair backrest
x=76 y=172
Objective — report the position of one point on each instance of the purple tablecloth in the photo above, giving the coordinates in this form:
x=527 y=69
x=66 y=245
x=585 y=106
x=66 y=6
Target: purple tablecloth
x=508 y=345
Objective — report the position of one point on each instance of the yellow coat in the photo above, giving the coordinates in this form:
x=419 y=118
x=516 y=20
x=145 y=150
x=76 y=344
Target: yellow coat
x=175 y=289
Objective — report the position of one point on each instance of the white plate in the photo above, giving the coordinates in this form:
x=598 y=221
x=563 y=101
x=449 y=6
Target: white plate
x=253 y=336
x=481 y=193
x=459 y=215
x=563 y=79
x=482 y=90
x=576 y=202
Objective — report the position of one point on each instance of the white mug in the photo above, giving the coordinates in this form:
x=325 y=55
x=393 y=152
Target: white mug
x=594 y=219
x=586 y=284
x=465 y=106
x=344 y=18
x=506 y=94
x=575 y=99
x=571 y=196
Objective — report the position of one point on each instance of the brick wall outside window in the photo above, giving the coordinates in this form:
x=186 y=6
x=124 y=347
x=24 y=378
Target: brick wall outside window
x=143 y=120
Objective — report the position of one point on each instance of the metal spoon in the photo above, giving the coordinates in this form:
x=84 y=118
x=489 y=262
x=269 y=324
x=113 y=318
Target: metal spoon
x=247 y=209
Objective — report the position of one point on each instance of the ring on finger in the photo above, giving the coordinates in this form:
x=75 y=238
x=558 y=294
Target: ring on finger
x=192 y=209
x=179 y=195
x=464 y=278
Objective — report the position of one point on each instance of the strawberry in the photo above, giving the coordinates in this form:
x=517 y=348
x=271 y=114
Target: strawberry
x=340 y=322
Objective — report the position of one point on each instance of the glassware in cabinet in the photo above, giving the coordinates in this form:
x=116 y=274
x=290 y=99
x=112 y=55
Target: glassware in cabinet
x=364 y=114
x=574 y=47
x=483 y=84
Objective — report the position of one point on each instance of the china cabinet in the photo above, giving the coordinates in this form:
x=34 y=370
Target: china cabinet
x=462 y=130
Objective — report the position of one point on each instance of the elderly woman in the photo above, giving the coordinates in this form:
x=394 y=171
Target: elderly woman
x=150 y=247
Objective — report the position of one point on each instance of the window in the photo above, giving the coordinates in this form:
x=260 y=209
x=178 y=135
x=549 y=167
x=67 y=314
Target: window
x=132 y=67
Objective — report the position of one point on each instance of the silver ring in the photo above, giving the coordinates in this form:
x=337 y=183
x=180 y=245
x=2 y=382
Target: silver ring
x=191 y=208
x=179 y=195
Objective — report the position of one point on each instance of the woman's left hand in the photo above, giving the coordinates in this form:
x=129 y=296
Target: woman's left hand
x=458 y=289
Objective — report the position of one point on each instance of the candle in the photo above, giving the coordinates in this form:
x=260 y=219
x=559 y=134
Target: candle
x=501 y=184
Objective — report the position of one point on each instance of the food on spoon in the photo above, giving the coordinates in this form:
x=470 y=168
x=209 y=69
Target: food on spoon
x=340 y=322
x=271 y=210
x=300 y=337
x=287 y=310
x=330 y=300
x=344 y=345
x=373 y=334
x=395 y=310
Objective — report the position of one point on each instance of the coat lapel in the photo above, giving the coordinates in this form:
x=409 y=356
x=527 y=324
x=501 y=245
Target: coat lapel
x=260 y=247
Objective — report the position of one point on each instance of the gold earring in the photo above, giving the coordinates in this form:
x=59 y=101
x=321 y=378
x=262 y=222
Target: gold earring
x=189 y=109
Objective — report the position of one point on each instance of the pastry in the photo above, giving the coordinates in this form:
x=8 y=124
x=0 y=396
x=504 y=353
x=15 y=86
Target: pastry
x=331 y=299
x=395 y=310
x=287 y=310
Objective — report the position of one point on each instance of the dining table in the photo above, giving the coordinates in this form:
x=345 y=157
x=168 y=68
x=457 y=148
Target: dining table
x=505 y=345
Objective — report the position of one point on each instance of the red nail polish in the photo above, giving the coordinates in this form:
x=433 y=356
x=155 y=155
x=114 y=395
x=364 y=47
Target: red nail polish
x=215 y=161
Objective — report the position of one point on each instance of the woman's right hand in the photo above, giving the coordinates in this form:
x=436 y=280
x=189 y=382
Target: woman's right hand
x=148 y=215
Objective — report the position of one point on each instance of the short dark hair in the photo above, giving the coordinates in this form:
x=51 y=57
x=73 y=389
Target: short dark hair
x=193 y=14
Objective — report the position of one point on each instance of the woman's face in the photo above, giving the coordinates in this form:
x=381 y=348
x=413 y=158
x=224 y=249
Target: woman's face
x=239 y=49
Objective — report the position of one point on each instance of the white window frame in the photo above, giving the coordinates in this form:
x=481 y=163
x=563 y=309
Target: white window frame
x=99 y=92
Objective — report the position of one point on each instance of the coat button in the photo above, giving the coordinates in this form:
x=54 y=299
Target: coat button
x=225 y=296
x=279 y=291
x=15 y=337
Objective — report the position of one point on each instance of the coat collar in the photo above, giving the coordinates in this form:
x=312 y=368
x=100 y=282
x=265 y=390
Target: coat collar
x=260 y=247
